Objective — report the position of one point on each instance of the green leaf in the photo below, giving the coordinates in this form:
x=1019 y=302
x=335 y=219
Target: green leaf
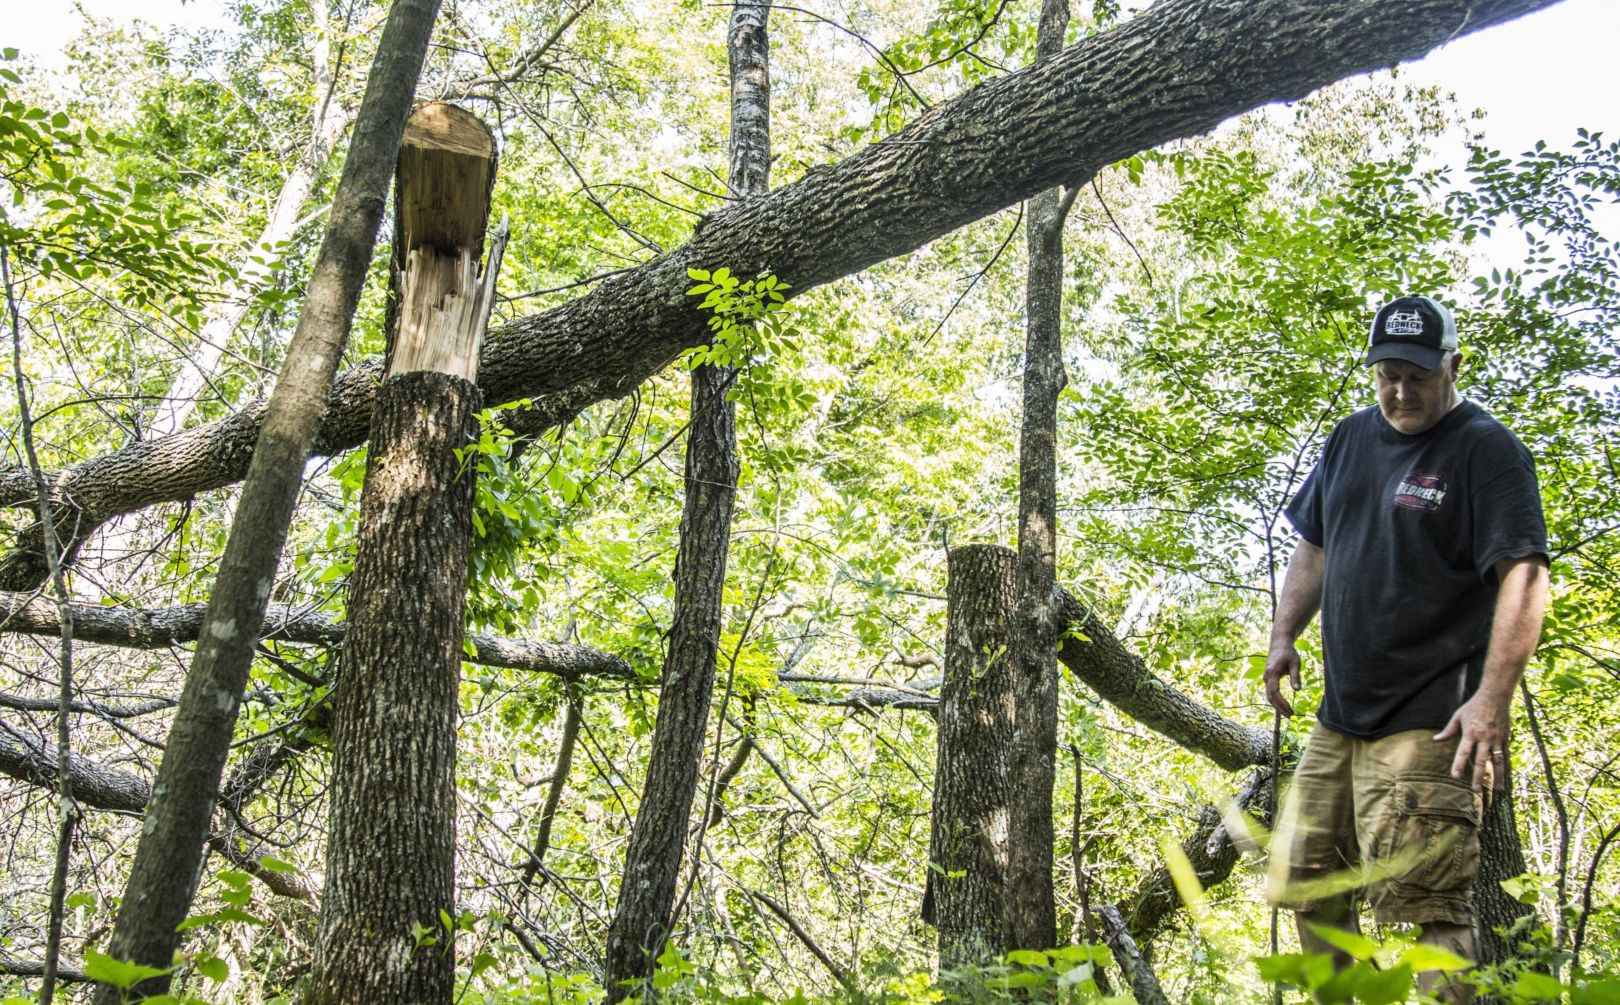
x=1303 y=970
x=118 y=973
x=1536 y=987
x=1358 y=946
x=1604 y=992
x=1421 y=957
x=215 y=969
x=270 y=863
x=1029 y=958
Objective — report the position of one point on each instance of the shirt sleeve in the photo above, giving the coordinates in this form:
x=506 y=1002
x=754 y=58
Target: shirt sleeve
x=1306 y=511
x=1506 y=506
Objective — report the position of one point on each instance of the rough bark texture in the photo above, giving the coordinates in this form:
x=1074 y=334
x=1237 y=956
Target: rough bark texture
x=1501 y=856
x=170 y=626
x=164 y=875
x=1119 y=677
x=1213 y=855
x=1138 y=972
x=1031 y=904
x=391 y=847
x=1177 y=70
x=967 y=846
x=641 y=921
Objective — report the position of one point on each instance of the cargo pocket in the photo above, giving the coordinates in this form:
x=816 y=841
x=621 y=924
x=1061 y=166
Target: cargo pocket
x=1431 y=838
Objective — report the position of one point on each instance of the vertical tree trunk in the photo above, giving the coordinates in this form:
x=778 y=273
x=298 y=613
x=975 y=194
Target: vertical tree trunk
x=1031 y=908
x=1501 y=856
x=169 y=856
x=967 y=849
x=642 y=920
x=390 y=873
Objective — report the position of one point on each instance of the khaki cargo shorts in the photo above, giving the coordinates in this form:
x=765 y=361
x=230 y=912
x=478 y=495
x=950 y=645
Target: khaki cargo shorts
x=1382 y=817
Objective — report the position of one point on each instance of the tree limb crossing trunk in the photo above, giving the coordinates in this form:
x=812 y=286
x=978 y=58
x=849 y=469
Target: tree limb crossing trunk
x=165 y=872
x=1185 y=64
x=641 y=922
x=967 y=845
x=391 y=848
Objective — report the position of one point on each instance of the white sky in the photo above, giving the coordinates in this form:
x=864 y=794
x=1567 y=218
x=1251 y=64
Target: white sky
x=1539 y=77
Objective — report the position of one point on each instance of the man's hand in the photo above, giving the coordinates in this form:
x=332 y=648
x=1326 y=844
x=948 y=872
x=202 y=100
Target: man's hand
x=1482 y=726
x=1282 y=661
x=1301 y=597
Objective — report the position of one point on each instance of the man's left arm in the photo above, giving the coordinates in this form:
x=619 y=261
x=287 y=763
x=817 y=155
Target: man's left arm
x=1482 y=722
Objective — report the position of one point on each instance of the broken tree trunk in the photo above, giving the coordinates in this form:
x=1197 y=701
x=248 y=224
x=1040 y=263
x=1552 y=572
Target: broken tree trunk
x=967 y=845
x=641 y=920
x=1031 y=903
x=169 y=856
x=1176 y=70
x=390 y=866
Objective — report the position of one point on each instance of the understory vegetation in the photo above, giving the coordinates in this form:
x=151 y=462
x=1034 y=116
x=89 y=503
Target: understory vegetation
x=1216 y=295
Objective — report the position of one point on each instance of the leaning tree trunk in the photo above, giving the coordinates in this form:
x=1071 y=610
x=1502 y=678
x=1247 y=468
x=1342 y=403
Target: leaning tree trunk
x=391 y=847
x=967 y=848
x=1031 y=906
x=1176 y=70
x=167 y=861
x=641 y=921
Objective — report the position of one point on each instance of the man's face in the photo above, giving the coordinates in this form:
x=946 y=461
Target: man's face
x=1411 y=398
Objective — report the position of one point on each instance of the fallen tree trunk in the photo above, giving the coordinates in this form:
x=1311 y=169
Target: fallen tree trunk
x=1185 y=64
x=156 y=628
x=101 y=787
x=1213 y=853
x=1120 y=678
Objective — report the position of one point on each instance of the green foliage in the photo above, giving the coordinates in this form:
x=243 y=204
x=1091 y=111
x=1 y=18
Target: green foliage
x=58 y=222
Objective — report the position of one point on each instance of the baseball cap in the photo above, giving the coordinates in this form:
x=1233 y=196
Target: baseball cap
x=1417 y=329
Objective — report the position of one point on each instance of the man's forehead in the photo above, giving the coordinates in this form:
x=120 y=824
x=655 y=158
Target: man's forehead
x=1401 y=368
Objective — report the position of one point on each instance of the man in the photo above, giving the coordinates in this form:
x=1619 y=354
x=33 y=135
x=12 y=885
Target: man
x=1424 y=548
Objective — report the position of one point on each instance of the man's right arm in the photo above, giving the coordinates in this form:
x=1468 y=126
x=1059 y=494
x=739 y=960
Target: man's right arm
x=1301 y=599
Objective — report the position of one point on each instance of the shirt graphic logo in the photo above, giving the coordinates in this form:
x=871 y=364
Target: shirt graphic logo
x=1421 y=490
x=1403 y=323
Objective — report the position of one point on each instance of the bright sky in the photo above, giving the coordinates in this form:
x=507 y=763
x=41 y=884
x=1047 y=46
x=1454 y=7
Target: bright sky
x=1539 y=77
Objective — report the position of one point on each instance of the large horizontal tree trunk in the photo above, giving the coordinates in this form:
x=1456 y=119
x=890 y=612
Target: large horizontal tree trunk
x=1175 y=71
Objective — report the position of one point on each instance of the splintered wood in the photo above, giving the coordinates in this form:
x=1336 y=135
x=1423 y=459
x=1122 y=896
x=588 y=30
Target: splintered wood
x=446 y=168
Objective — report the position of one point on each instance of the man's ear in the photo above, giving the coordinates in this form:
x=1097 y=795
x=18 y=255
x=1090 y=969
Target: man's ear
x=1456 y=364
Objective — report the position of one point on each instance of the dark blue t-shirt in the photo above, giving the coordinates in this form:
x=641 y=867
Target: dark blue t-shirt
x=1411 y=528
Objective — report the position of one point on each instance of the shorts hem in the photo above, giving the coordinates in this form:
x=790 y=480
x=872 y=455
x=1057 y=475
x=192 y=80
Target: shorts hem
x=1423 y=912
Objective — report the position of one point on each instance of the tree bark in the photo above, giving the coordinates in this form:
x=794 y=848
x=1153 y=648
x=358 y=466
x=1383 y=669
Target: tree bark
x=155 y=628
x=1177 y=70
x=1213 y=854
x=967 y=845
x=391 y=847
x=1137 y=970
x=641 y=921
x=164 y=875
x=1099 y=659
x=1031 y=904
x=1501 y=856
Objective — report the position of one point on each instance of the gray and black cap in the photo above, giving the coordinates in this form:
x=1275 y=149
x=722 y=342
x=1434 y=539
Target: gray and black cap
x=1417 y=329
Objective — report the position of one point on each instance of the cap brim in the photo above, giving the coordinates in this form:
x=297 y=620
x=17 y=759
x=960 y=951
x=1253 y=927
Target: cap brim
x=1422 y=355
